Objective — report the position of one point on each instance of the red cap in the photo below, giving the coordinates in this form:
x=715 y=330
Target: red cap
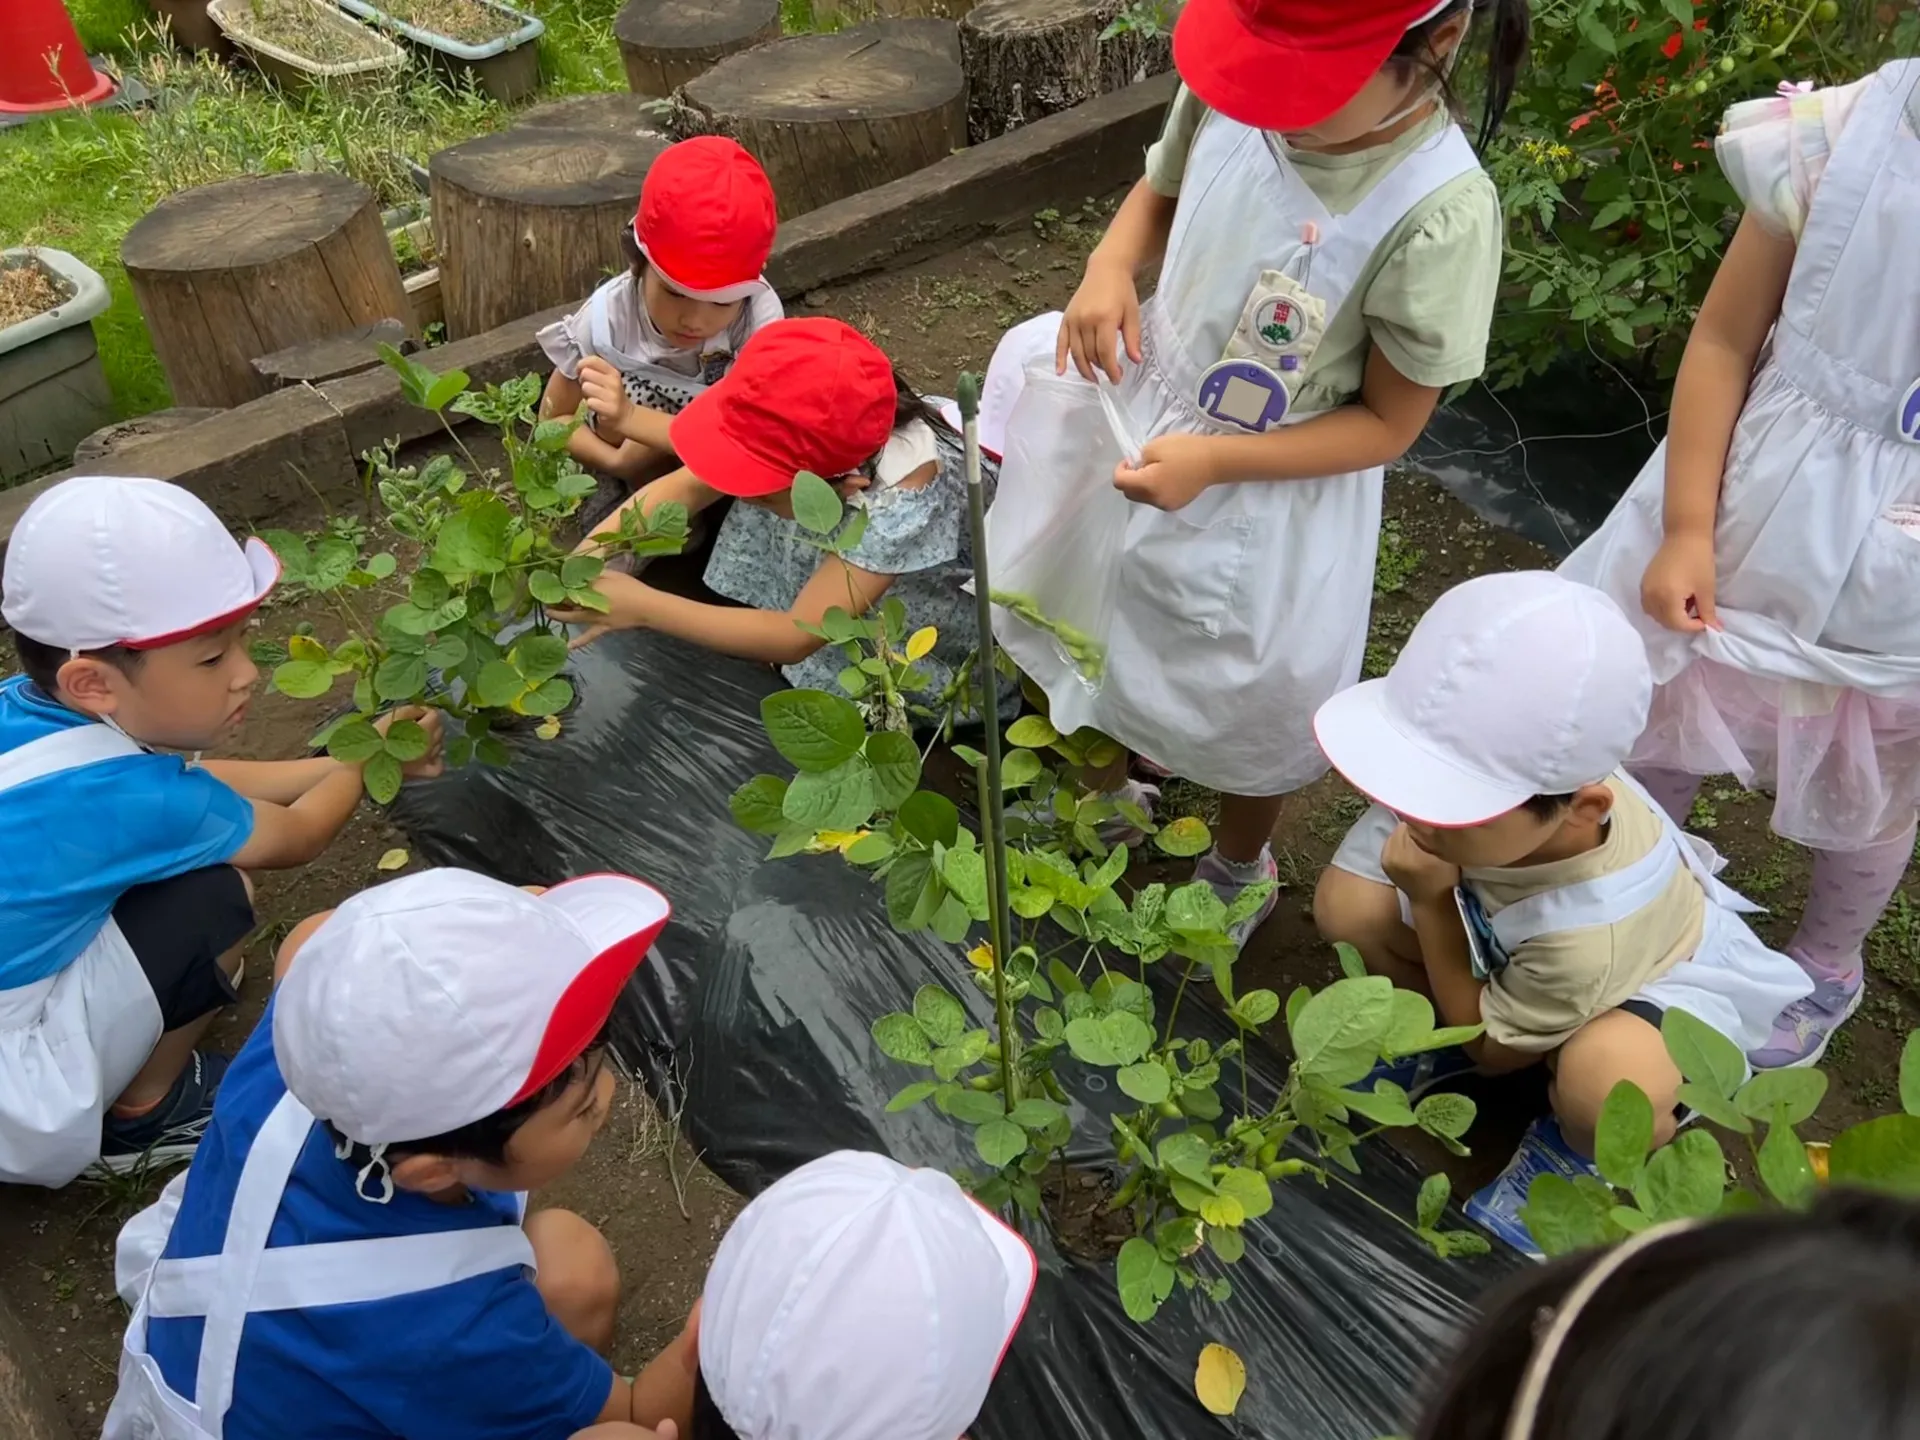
x=706 y=219
x=1289 y=64
x=802 y=395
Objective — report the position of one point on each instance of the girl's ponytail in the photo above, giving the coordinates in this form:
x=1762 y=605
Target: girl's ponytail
x=1509 y=28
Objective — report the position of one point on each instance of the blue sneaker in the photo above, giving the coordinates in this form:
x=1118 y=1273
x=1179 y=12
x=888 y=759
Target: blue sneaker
x=1543 y=1151
x=1417 y=1074
x=171 y=1132
x=1804 y=1029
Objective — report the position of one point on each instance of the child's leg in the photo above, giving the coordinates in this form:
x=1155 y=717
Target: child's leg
x=1365 y=914
x=1616 y=1046
x=1246 y=827
x=578 y=1277
x=1672 y=790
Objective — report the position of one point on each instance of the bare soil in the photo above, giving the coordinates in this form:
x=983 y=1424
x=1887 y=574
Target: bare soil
x=1076 y=1203
x=661 y=1210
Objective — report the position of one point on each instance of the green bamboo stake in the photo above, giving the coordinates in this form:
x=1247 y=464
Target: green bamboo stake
x=992 y=803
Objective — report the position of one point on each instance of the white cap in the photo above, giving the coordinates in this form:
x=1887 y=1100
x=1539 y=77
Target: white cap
x=102 y=560
x=1511 y=686
x=1006 y=375
x=859 y=1300
x=442 y=998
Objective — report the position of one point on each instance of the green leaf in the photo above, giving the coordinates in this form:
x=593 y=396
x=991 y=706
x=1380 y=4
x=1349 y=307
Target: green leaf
x=965 y=872
x=930 y=818
x=1714 y=1106
x=1385 y=1104
x=1020 y=767
x=1145 y=1082
x=1032 y=732
x=909 y=883
x=1296 y=1006
x=1184 y=837
x=1250 y=1188
x=303 y=679
x=940 y=1015
x=1228 y=1245
x=1254 y=1009
x=473 y=540
x=1196 y=910
x=1796 y=1092
x=1562 y=1218
x=1127 y=1036
x=1624 y=1135
x=1596 y=34
x=1784 y=1167
x=870 y=850
x=756 y=805
x=1355 y=968
x=1882 y=1154
x=813 y=730
x=354 y=742
x=382 y=776
x=1435 y=1191
x=1087 y=1040
x=1144 y=1279
x=1445 y=1114
x=1037 y=1114
x=550 y=698
x=1704 y=1055
x=400 y=677
x=1910 y=1075
x=539 y=656
x=895 y=761
x=838 y=799
x=442 y=391
x=1337 y=1036
x=491 y=750
x=333 y=560
x=295 y=558
x=1411 y=1023
x=1187 y=1155
x=407 y=741
x=900 y=1038
x=1000 y=1142
x=578 y=570
x=911 y=1096
x=969 y=1106
x=499 y=685
x=1683 y=1180
x=1630 y=1219
x=815 y=504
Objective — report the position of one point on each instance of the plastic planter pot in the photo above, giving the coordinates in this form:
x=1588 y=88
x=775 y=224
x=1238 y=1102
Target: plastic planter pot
x=53 y=393
x=292 y=70
x=191 y=26
x=506 y=67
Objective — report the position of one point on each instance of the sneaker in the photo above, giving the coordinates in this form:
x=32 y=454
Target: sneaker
x=169 y=1133
x=1543 y=1151
x=1152 y=770
x=1804 y=1029
x=1417 y=1074
x=1214 y=870
x=1120 y=831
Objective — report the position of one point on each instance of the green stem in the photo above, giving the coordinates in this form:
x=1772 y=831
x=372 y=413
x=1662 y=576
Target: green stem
x=1173 y=1013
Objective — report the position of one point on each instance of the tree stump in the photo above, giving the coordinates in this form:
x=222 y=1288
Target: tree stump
x=123 y=435
x=1030 y=58
x=831 y=115
x=242 y=268
x=857 y=12
x=615 y=111
x=532 y=218
x=666 y=43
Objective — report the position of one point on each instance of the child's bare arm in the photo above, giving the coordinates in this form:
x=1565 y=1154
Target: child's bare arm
x=661 y=1394
x=279 y=782
x=562 y=401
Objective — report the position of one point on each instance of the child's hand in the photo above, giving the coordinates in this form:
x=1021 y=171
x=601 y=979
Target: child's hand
x=605 y=390
x=629 y=603
x=1420 y=875
x=434 y=761
x=1173 y=470
x=1106 y=304
x=1677 y=589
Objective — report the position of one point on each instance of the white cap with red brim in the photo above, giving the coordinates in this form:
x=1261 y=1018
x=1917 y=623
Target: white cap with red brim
x=858 y=1299
x=104 y=560
x=436 y=1000
x=1511 y=686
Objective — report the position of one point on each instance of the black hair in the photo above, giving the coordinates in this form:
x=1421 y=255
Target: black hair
x=41 y=662
x=708 y=1422
x=631 y=253
x=1773 y=1326
x=1509 y=32
x=486 y=1139
x=1545 y=807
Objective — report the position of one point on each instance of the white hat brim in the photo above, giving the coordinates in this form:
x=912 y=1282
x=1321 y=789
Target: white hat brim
x=611 y=909
x=1398 y=771
x=725 y=295
x=1022 y=1267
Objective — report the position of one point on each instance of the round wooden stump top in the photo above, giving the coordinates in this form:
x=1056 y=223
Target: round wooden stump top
x=533 y=165
x=855 y=74
x=1015 y=17
x=692 y=24
x=618 y=112
x=235 y=224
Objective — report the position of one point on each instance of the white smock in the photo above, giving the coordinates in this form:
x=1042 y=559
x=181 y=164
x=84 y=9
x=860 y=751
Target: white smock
x=1233 y=619
x=1813 y=687
x=248 y=1277
x=71 y=1042
x=1733 y=982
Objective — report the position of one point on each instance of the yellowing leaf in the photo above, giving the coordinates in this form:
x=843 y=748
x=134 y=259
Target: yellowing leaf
x=1223 y=1210
x=305 y=647
x=393 y=860
x=1817 y=1153
x=1220 y=1379
x=829 y=841
x=920 y=643
x=981 y=956
x=549 y=728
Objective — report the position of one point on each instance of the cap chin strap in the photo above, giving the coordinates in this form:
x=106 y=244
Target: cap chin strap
x=376 y=1169
x=1533 y=1384
x=1446 y=70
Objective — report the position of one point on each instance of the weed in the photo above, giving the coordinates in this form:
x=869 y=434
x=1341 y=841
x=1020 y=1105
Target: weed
x=1396 y=560
x=467 y=21
x=1893 y=946
x=1840 y=1048
x=1703 y=816
x=25 y=291
x=313 y=31
x=1768 y=873
x=1331 y=821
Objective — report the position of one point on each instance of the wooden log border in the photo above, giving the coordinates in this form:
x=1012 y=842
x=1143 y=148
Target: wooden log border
x=282 y=459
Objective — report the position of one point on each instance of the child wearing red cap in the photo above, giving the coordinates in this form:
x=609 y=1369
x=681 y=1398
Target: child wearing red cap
x=350 y=1256
x=1329 y=250
x=811 y=395
x=123 y=899
x=670 y=326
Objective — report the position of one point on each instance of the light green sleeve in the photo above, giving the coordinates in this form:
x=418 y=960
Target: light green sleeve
x=1430 y=306
x=1167 y=156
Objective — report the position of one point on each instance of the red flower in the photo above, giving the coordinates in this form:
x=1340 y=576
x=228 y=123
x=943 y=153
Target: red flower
x=1580 y=122
x=1675 y=43
x=1699 y=24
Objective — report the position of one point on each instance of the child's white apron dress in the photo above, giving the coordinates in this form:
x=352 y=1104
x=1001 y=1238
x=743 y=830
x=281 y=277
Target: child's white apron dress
x=72 y=1042
x=247 y=1277
x=1819 y=591
x=1732 y=982
x=1236 y=617
x=647 y=383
